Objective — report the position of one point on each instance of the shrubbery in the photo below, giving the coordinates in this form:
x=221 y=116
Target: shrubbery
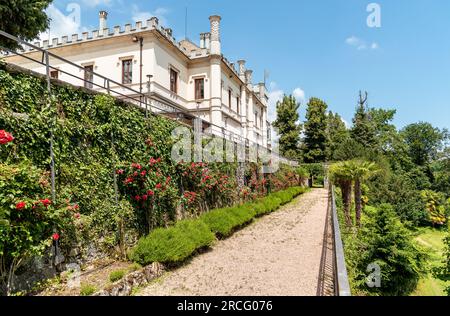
x=116 y=275
x=384 y=240
x=175 y=244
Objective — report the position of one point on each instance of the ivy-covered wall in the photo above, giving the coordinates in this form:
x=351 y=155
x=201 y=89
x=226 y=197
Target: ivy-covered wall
x=97 y=138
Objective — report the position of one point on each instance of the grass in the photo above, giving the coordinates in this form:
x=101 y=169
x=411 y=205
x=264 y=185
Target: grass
x=175 y=244
x=432 y=241
x=116 y=275
x=87 y=290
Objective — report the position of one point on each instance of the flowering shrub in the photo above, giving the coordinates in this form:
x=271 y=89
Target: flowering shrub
x=5 y=137
x=212 y=186
x=151 y=191
x=29 y=220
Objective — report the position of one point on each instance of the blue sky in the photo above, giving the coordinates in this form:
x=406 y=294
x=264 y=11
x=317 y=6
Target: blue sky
x=320 y=48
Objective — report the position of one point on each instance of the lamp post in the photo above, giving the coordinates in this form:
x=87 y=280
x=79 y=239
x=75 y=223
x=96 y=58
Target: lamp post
x=141 y=45
x=149 y=91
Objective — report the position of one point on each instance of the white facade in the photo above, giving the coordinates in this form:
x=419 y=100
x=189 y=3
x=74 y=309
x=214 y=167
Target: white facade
x=167 y=73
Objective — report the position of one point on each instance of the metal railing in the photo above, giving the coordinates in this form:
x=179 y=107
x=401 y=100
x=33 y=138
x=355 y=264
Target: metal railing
x=341 y=282
x=126 y=92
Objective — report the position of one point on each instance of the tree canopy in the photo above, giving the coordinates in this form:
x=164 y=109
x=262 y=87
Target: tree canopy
x=315 y=130
x=23 y=18
x=288 y=126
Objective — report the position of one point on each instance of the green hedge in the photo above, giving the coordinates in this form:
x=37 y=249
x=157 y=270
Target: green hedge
x=175 y=244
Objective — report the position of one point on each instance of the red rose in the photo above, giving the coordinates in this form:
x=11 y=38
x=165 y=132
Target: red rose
x=46 y=202
x=137 y=198
x=20 y=205
x=145 y=197
x=128 y=181
x=143 y=173
x=120 y=171
x=168 y=179
x=55 y=236
x=151 y=193
x=5 y=137
x=159 y=186
x=77 y=215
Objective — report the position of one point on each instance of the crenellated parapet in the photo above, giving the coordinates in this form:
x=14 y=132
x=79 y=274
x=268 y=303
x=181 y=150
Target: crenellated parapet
x=150 y=24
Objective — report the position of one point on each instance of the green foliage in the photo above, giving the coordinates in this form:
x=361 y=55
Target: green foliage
x=175 y=244
x=399 y=190
x=288 y=128
x=315 y=130
x=436 y=206
x=93 y=135
x=337 y=134
x=87 y=289
x=29 y=19
x=172 y=245
x=384 y=240
x=117 y=275
x=363 y=131
x=423 y=141
x=27 y=217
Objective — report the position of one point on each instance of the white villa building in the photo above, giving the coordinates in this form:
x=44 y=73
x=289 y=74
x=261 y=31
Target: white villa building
x=194 y=78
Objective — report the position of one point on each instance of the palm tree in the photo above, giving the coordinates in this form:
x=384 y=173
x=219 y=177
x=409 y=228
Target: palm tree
x=347 y=173
x=341 y=175
x=360 y=171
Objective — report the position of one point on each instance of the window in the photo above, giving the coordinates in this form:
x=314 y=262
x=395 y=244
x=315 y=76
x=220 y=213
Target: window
x=238 y=104
x=229 y=97
x=199 y=89
x=256 y=119
x=54 y=74
x=173 y=81
x=127 y=71
x=88 y=76
x=261 y=121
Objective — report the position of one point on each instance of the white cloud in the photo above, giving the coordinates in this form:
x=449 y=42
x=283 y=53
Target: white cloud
x=299 y=94
x=347 y=124
x=61 y=24
x=96 y=3
x=361 y=44
x=143 y=16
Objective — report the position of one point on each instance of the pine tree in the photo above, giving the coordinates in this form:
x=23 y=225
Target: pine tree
x=315 y=131
x=363 y=130
x=337 y=134
x=288 y=127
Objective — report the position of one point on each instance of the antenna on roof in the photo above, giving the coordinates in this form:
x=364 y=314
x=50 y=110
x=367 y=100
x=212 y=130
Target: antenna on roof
x=266 y=75
x=186 y=24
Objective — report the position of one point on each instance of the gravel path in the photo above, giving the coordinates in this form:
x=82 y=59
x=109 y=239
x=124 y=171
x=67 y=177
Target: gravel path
x=277 y=255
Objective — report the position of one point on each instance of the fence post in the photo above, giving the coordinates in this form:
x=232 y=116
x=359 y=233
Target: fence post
x=52 y=155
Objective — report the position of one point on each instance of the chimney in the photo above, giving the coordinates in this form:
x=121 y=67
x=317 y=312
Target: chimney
x=241 y=70
x=207 y=40
x=215 y=34
x=202 y=40
x=103 y=15
x=262 y=92
x=248 y=76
